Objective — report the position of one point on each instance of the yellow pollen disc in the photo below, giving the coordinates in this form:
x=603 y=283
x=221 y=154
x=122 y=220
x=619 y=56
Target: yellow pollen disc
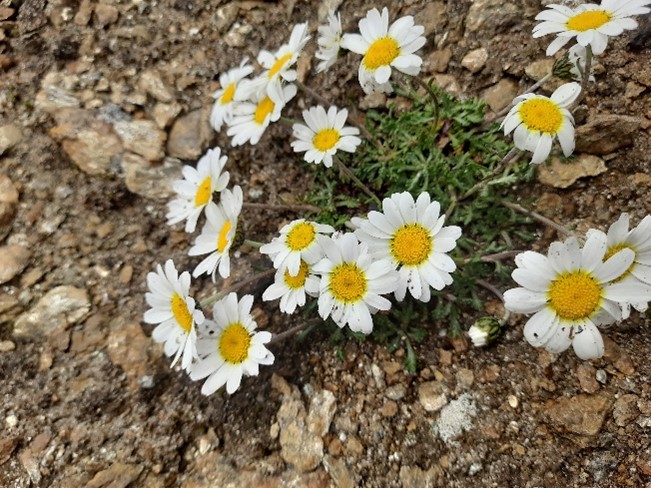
x=411 y=245
x=541 y=114
x=203 y=192
x=325 y=139
x=614 y=250
x=278 y=65
x=228 y=95
x=301 y=236
x=592 y=19
x=262 y=111
x=234 y=343
x=222 y=238
x=348 y=283
x=574 y=295
x=181 y=313
x=298 y=281
x=381 y=53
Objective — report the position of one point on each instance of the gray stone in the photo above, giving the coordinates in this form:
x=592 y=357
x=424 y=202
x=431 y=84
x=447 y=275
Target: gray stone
x=604 y=134
x=150 y=180
x=13 y=260
x=10 y=135
x=142 y=137
x=455 y=418
x=562 y=175
x=52 y=97
x=190 y=135
x=321 y=411
x=62 y=306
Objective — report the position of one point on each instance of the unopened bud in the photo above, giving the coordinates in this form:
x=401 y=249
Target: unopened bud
x=484 y=331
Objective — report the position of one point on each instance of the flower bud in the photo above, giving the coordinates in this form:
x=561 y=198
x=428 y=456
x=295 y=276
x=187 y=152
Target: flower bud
x=484 y=331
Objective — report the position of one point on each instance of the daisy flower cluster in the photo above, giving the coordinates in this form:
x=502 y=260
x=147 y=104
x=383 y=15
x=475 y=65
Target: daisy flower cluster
x=574 y=289
x=536 y=120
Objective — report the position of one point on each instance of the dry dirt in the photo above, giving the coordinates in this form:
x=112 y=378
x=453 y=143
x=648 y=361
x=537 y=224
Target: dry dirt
x=87 y=399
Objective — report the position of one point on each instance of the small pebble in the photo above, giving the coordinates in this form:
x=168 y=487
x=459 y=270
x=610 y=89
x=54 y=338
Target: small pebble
x=601 y=376
x=11 y=420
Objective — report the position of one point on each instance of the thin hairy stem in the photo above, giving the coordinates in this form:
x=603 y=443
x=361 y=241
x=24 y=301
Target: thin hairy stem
x=534 y=215
x=433 y=96
x=348 y=172
x=255 y=244
x=297 y=329
x=586 y=75
x=206 y=302
x=498 y=170
x=272 y=207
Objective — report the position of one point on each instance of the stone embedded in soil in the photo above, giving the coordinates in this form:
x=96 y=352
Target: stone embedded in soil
x=563 y=175
x=8 y=201
x=501 y=94
x=581 y=414
x=438 y=60
x=300 y=446
x=52 y=97
x=432 y=17
x=475 y=60
x=626 y=410
x=61 y=306
x=7 y=446
x=105 y=14
x=10 y=135
x=151 y=82
x=339 y=472
x=414 y=476
x=323 y=406
x=604 y=134
x=142 y=137
x=118 y=475
x=432 y=395
x=150 y=180
x=90 y=142
x=492 y=17
x=164 y=113
x=190 y=135
x=587 y=375
x=455 y=418
x=13 y=260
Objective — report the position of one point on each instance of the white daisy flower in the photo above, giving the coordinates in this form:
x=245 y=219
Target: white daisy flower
x=411 y=235
x=637 y=240
x=173 y=309
x=230 y=347
x=329 y=42
x=352 y=282
x=537 y=120
x=280 y=64
x=292 y=289
x=252 y=118
x=324 y=135
x=218 y=234
x=228 y=94
x=298 y=240
x=590 y=24
x=196 y=190
x=384 y=47
x=571 y=291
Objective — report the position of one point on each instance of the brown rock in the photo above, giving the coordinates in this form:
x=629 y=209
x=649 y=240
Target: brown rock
x=10 y=135
x=150 y=180
x=142 y=137
x=492 y=17
x=190 y=135
x=151 y=82
x=475 y=60
x=82 y=17
x=581 y=414
x=625 y=410
x=105 y=14
x=8 y=200
x=604 y=134
x=129 y=348
x=389 y=409
x=562 y=175
x=500 y=95
x=119 y=475
x=414 y=476
x=432 y=395
x=438 y=61
x=52 y=97
x=165 y=113
x=13 y=259
x=432 y=17
x=339 y=472
x=7 y=446
x=587 y=375
x=618 y=357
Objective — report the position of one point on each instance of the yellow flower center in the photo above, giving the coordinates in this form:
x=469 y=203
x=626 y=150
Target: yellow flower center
x=612 y=250
x=325 y=139
x=228 y=95
x=592 y=19
x=411 y=245
x=301 y=236
x=541 y=114
x=298 y=281
x=234 y=343
x=181 y=313
x=574 y=295
x=203 y=192
x=348 y=283
x=278 y=65
x=381 y=53
x=262 y=111
x=222 y=238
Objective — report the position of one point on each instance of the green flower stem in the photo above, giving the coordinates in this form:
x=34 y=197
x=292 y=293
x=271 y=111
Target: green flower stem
x=281 y=208
x=206 y=302
x=288 y=121
x=348 y=172
x=499 y=169
x=586 y=75
x=536 y=216
x=433 y=96
x=297 y=329
x=254 y=244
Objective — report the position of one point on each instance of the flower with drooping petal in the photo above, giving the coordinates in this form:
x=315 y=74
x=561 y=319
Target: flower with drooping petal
x=252 y=118
x=384 y=47
x=174 y=310
x=352 y=282
x=329 y=41
x=279 y=64
x=411 y=235
x=298 y=240
x=229 y=347
x=537 y=120
x=637 y=240
x=292 y=289
x=218 y=234
x=196 y=189
x=591 y=24
x=324 y=135
x=570 y=292
x=228 y=94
